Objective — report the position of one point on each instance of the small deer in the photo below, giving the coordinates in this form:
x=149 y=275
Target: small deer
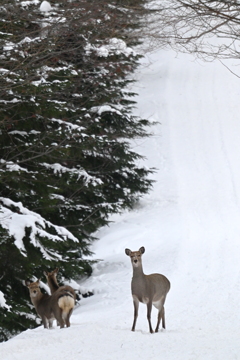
x=58 y=306
x=53 y=284
x=148 y=289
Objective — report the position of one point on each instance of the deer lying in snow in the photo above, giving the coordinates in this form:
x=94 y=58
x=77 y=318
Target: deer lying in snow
x=53 y=284
x=57 y=306
x=148 y=289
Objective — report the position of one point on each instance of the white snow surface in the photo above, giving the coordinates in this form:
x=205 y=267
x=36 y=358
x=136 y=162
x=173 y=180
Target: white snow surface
x=189 y=225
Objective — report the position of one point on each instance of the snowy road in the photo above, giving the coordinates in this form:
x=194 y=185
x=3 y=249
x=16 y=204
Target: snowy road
x=198 y=160
x=189 y=225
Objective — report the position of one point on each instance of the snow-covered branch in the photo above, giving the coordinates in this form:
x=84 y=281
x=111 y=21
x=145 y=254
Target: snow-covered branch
x=3 y=302
x=19 y=219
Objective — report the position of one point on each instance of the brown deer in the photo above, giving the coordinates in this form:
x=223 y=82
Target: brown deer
x=53 y=284
x=148 y=289
x=58 y=306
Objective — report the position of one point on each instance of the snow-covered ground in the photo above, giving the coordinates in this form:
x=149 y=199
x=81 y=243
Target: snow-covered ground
x=189 y=225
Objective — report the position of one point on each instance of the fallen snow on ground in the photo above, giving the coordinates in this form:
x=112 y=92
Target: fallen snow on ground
x=189 y=225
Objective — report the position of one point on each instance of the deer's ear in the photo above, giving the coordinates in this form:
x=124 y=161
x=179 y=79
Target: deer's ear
x=127 y=252
x=142 y=250
x=55 y=271
x=45 y=273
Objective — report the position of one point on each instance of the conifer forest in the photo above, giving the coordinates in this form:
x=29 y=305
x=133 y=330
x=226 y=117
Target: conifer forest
x=66 y=125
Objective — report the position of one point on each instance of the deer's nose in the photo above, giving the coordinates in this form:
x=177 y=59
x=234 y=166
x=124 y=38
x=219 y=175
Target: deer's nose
x=135 y=261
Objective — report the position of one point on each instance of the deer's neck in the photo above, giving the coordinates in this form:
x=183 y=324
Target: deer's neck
x=139 y=285
x=138 y=272
x=37 y=300
x=52 y=284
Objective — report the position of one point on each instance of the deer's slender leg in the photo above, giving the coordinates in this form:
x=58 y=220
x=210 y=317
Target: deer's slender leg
x=45 y=322
x=67 y=321
x=161 y=315
x=136 y=306
x=149 y=310
x=163 y=318
x=59 y=318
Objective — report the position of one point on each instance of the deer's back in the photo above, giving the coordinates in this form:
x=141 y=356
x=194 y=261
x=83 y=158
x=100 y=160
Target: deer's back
x=63 y=291
x=66 y=290
x=44 y=306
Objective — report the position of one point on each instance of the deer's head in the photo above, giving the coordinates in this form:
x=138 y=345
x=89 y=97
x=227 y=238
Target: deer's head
x=34 y=288
x=51 y=274
x=136 y=256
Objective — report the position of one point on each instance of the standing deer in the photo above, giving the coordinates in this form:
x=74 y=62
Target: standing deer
x=58 y=306
x=148 y=289
x=53 y=284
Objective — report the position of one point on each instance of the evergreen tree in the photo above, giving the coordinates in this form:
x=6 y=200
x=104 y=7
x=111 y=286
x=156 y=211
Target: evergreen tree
x=66 y=163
